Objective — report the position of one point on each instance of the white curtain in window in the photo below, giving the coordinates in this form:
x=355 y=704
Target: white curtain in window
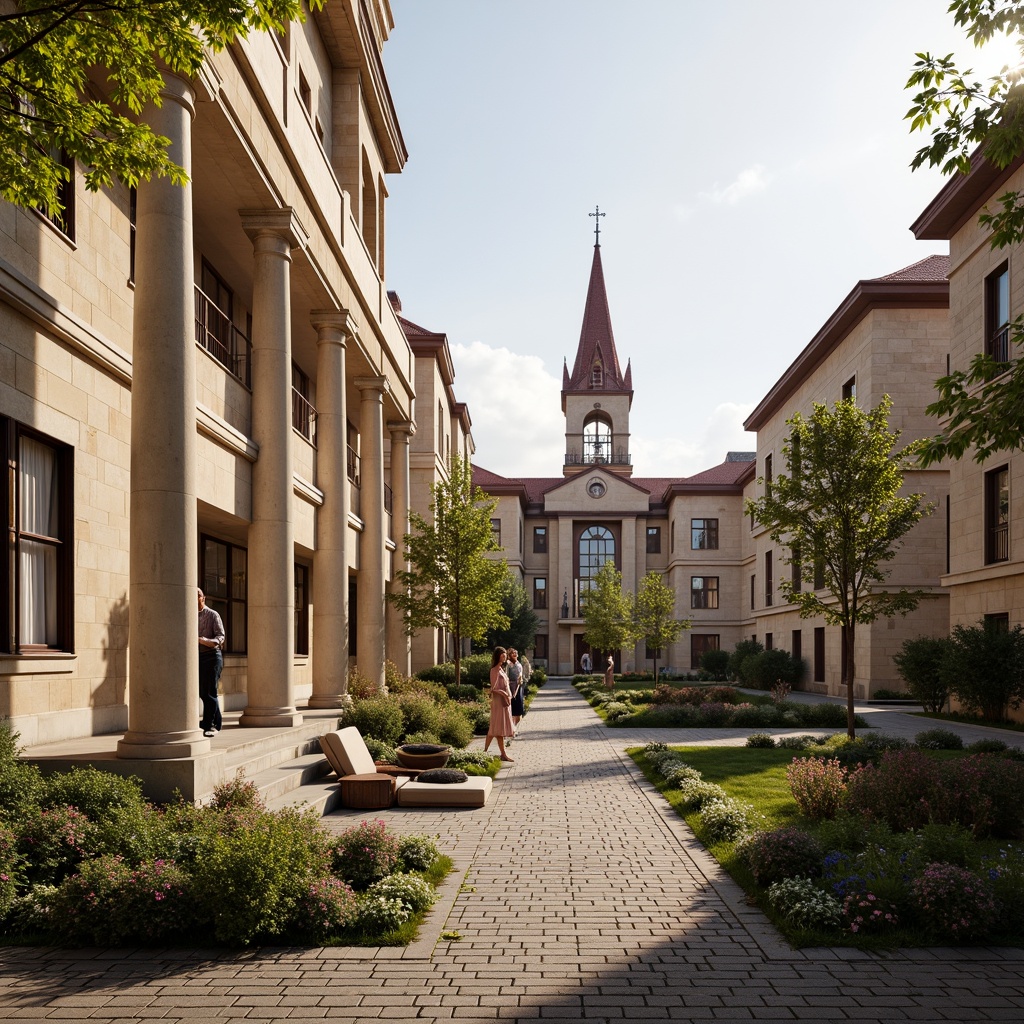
x=38 y=504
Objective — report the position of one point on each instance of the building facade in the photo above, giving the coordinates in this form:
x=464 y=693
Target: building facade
x=207 y=384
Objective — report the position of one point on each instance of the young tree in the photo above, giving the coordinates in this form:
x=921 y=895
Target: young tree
x=840 y=507
x=983 y=666
x=607 y=612
x=983 y=404
x=653 y=624
x=76 y=74
x=522 y=619
x=450 y=583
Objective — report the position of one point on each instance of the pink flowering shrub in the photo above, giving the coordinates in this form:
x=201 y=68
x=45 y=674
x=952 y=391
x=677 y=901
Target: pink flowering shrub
x=908 y=789
x=782 y=853
x=109 y=903
x=8 y=870
x=52 y=842
x=865 y=913
x=818 y=786
x=954 y=903
x=665 y=694
x=327 y=907
x=366 y=853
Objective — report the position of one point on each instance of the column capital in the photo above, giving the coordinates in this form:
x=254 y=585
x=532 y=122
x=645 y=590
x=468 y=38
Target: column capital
x=282 y=223
x=401 y=428
x=379 y=384
x=329 y=321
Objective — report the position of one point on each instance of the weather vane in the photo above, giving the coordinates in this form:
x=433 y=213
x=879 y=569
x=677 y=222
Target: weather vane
x=597 y=214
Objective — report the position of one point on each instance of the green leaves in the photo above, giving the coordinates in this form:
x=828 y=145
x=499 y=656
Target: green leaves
x=451 y=584
x=75 y=74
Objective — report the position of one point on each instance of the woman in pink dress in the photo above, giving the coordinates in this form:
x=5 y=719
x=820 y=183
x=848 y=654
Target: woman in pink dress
x=501 y=702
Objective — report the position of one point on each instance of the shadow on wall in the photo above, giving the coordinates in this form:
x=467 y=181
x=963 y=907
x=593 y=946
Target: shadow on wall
x=114 y=688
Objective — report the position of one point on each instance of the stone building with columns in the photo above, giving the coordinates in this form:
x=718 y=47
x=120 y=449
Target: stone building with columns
x=207 y=384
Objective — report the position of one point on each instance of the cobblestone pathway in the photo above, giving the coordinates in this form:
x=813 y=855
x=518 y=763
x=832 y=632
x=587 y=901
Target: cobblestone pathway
x=584 y=898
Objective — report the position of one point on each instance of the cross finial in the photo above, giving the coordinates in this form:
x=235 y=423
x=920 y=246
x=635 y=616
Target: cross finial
x=597 y=214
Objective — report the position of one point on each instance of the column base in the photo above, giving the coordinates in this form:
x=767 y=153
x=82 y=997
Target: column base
x=270 y=718
x=328 y=701
x=161 y=746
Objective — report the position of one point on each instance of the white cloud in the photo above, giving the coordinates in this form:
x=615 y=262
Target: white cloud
x=515 y=405
x=747 y=183
x=722 y=432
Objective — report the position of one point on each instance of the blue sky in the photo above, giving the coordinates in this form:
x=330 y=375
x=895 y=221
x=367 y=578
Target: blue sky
x=752 y=160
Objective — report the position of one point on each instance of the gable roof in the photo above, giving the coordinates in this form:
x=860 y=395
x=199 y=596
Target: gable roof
x=597 y=342
x=922 y=285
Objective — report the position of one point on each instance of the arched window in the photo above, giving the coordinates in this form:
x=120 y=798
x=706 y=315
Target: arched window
x=597 y=546
x=597 y=441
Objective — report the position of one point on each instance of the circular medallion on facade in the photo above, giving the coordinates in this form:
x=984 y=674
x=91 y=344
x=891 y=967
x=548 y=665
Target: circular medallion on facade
x=597 y=405
x=596 y=488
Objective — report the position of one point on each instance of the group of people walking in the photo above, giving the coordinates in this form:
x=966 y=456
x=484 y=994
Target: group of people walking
x=586 y=667
x=509 y=676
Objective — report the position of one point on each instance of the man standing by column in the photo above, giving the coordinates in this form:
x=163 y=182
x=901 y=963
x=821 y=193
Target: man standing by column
x=211 y=663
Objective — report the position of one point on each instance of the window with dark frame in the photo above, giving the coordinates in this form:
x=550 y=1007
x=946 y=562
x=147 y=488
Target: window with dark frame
x=703 y=591
x=305 y=93
x=997 y=515
x=38 y=590
x=540 y=592
x=496 y=531
x=303 y=413
x=768 y=476
x=769 y=641
x=753 y=590
x=540 y=540
x=301 y=609
x=819 y=654
x=850 y=389
x=223 y=570
x=63 y=219
x=998 y=621
x=699 y=643
x=769 y=580
x=133 y=216
x=596 y=546
x=654 y=540
x=796 y=644
x=540 y=645
x=703 y=534
x=997 y=314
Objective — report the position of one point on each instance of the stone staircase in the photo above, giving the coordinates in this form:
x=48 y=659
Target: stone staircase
x=286 y=764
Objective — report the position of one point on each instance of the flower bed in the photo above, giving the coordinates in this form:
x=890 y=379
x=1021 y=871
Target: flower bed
x=920 y=848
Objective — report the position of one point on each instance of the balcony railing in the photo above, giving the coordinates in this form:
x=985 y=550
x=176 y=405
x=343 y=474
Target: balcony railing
x=998 y=543
x=595 y=459
x=222 y=339
x=303 y=416
x=999 y=345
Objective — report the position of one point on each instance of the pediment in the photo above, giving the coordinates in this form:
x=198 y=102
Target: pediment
x=596 y=492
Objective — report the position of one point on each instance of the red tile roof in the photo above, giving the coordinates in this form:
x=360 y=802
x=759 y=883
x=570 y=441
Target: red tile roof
x=931 y=268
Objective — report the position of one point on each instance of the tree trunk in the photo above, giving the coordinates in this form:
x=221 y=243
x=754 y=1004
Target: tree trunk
x=848 y=638
x=458 y=660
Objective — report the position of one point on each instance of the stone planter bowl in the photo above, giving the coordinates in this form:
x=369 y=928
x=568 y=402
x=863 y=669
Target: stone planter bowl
x=422 y=755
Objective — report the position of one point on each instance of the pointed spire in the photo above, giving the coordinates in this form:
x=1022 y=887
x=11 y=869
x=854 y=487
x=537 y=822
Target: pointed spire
x=596 y=367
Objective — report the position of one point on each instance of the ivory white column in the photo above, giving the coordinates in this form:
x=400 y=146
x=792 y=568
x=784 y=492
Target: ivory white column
x=163 y=711
x=398 y=641
x=370 y=637
x=330 y=560
x=271 y=578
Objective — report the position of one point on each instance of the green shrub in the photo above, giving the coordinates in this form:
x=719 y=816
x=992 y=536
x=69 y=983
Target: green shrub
x=716 y=664
x=476 y=670
x=753 y=716
x=473 y=762
x=325 y=908
x=817 y=786
x=1005 y=871
x=919 y=663
x=380 y=751
x=947 y=844
x=10 y=870
x=826 y=716
x=463 y=691
x=743 y=650
x=803 y=904
x=366 y=853
x=251 y=878
x=986 y=747
x=91 y=791
x=781 y=853
x=764 y=669
x=760 y=739
x=108 y=903
x=419 y=714
x=725 y=820
x=381 y=914
x=417 y=853
x=680 y=775
x=21 y=784
x=413 y=739
x=380 y=717
x=135 y=833
x=455 y=725
x=443 y=674
x=796 y=742
x=412 y=890
x=984 y=668
x=696 y=794
x=237 y=793
x=939 y=739
x=52 y=842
